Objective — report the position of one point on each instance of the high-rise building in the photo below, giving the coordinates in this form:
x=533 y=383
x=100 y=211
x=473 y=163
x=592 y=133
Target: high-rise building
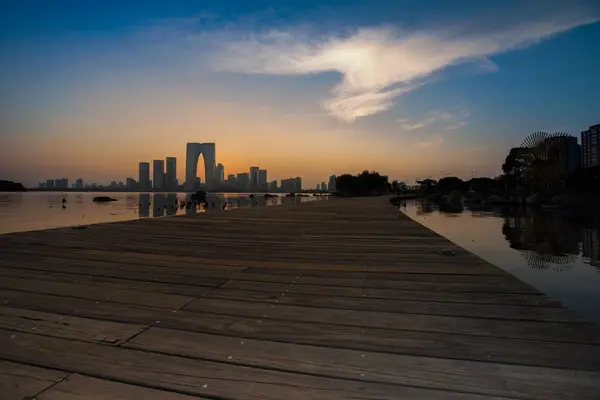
x=569 y=153
x=298 y=184
x=331 y=185
x=50 y=184
x=130 y=184
x=62 y=183
x=79 y=183
x=291 y=184
x=231 y=179
x=171 y=175
x=158 y=174
x=254 y=178
x=219 y=174
x=273 y=186
x=262 y=179
x=144 y=176
x=243 y=181
x=590 y=246
x=323 y=187
x=590 y=147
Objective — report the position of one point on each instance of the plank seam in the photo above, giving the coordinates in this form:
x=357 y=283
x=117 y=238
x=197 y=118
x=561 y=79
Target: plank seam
x=35 y=396
x=171 y=326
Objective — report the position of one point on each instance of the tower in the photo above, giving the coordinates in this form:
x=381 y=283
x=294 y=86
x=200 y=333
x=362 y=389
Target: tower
x=158 y=172
x=144 y=176
x=262 y=179
x=193 y=151
x=171 y=177
x=254 y=178
x=219 y=175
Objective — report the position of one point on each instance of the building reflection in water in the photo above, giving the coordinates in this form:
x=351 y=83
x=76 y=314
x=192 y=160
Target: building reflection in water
x=144 y=205
x=543 y=238
x=190 y=208
x=590 y=246
x=171 y=203
x=159 y=203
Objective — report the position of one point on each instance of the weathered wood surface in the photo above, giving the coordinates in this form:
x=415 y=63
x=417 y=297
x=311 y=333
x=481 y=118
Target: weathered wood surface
x=333 y=299
x=18 y=381
x=79 y=387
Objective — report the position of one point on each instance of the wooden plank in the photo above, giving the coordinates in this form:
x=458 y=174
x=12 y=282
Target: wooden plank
x=20 y=382
x=34 y=253
x=66 y=326
x=186 y=285
x=547 y=331
x=493 y=311
x=432 y=295
x=199 y=377
x=217 y=264
x=115 y=291
x=490 y=379
x=215 y=279
x=86 y=388
x=78 y=289
x=513 y=286
x=428 y=344
x=390 y=276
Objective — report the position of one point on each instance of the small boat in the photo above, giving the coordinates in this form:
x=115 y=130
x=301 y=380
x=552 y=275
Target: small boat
x=103 y=199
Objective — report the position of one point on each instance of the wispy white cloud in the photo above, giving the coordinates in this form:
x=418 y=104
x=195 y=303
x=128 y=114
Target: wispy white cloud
x=449 y=121
x=430 y=118
x=378 y=64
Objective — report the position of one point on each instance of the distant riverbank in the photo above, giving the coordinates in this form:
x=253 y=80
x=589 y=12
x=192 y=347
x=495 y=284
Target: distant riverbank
x=125 y=190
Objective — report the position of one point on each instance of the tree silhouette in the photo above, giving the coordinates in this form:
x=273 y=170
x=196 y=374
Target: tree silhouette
x=450 y=184
x=363 y=184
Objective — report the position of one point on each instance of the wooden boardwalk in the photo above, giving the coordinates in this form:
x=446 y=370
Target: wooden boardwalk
x=336 y=299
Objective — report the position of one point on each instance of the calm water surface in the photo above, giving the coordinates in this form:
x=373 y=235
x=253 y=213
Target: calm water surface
x=557 y=252
x=42 y=210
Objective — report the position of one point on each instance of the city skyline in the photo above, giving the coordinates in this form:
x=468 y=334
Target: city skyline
x=164 y=176
x=410 y=90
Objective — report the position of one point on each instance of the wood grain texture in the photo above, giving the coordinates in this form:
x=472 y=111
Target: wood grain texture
x=200 y=377
x=465 y=376
x=332 y=299
x=19 y=382
x=540 y=352
x=79 y=387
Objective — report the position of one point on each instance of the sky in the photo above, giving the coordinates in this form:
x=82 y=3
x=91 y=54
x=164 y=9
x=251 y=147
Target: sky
x=302 y=88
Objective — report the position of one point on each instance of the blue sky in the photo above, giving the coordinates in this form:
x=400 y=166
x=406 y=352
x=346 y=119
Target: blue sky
x=308 y=88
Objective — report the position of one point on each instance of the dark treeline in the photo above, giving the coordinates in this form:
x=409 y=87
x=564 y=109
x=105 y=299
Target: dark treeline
x=582 y=181
x=363 y=184
x=10 y=186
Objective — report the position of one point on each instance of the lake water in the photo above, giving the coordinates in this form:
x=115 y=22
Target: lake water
x=42 y=210
x=557 y=252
